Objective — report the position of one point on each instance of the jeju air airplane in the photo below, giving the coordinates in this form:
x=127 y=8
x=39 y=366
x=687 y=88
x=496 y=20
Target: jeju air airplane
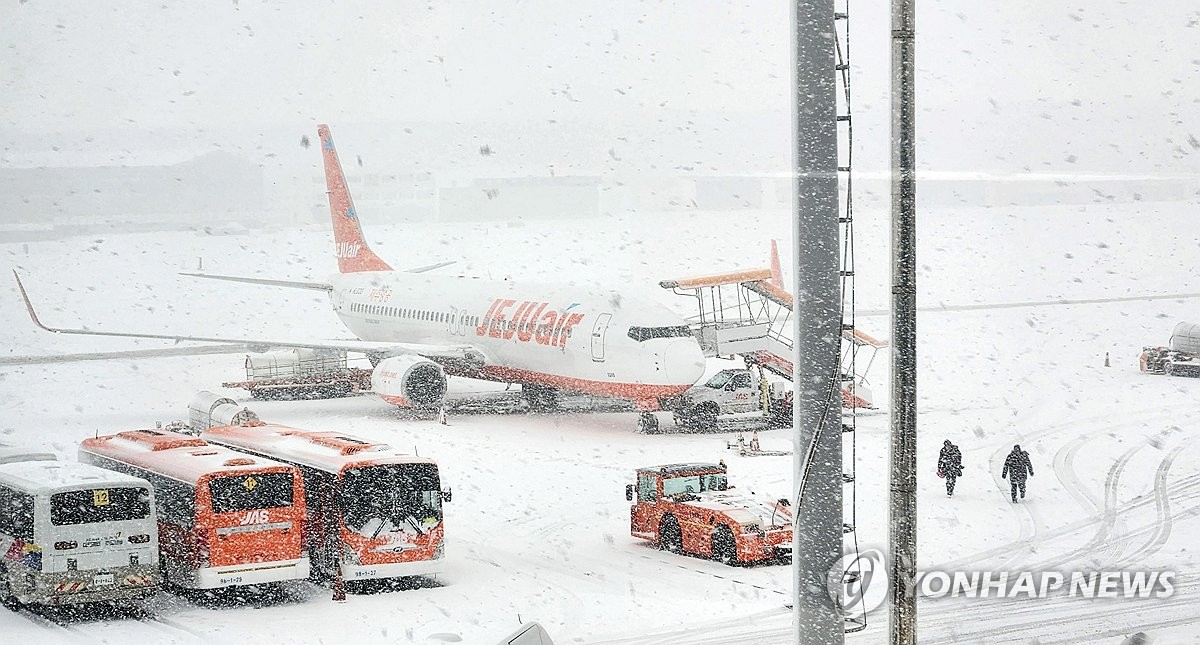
x=417 y=327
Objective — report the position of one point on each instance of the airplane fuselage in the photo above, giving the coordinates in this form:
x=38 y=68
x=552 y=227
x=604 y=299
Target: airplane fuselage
x=550 y=335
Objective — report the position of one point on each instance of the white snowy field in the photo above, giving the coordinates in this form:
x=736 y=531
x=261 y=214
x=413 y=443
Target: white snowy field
x=538 y=529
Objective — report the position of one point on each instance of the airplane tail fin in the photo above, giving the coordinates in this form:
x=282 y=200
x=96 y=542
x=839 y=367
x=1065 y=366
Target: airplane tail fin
x=776 y=272
x=353 y=254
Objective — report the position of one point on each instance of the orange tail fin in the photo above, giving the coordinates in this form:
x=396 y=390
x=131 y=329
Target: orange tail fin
x=776 y=272
x=353 y=254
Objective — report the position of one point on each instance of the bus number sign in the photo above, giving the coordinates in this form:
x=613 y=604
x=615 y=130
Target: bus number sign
x=100 y=498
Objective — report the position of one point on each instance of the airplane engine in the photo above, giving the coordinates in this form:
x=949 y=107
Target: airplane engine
x=409 y=382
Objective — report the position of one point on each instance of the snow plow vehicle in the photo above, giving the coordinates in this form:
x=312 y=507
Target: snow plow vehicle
x=1181 y=357
x=691 y=508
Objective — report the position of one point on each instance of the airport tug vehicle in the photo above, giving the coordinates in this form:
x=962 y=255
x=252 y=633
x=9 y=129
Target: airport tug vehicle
x=691 y=508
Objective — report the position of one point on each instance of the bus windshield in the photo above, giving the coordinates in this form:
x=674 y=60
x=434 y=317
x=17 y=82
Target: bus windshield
x=392 y=498
x=250 y=492
x=99 y=505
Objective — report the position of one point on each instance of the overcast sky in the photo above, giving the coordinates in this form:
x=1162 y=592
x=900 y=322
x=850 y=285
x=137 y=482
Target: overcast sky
x=1020 y=85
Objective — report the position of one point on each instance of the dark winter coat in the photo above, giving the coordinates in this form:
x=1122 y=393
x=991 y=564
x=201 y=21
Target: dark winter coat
x=950 y=461
x=1017 y=466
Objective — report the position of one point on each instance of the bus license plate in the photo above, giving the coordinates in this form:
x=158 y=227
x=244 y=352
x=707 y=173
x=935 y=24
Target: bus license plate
x=101 y=579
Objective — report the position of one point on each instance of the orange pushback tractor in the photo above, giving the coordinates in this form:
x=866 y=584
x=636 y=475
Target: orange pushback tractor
x=373 y=511
x=225 y=519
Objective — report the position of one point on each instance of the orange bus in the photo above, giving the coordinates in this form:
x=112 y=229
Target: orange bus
x=373 y=511
x=224 y=519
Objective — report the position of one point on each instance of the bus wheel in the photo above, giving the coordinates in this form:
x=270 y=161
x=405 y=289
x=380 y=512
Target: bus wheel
x=6 y=596
x=724 y=547
x=670 y=538
x=705 y=417
x=648 y=423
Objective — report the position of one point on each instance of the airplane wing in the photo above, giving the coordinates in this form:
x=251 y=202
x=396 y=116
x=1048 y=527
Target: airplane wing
x=293 y=284
x=459 y=356
x=53 y=359
x=430 y=267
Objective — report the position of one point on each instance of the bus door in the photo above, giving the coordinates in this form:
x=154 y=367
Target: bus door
x=252 y=518
x=322 y=533
x=598 y=332
x=100 y=528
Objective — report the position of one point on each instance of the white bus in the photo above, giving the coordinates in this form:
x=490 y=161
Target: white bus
x=10 y=453
x=73 y=533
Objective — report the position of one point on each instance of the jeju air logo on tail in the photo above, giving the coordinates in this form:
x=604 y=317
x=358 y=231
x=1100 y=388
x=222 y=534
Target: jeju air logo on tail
x=347 y=249
x=530 y=322
x=350 y=246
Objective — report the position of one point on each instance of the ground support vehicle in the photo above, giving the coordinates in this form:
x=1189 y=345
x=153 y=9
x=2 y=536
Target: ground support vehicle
x=691 y=508
x=734 y=393
x=73 y=533
x=372 y=511
x=224 y=519
x=302 y=374
x=1181 y=356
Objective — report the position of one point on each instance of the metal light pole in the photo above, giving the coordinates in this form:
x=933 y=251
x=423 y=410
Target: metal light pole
x=817 y=536
x=902 y=509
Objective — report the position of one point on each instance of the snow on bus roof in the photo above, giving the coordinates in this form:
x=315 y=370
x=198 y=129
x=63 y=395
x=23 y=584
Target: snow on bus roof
x=327 y=450
x=10 y=453
x=54 y=476
x=175 y=455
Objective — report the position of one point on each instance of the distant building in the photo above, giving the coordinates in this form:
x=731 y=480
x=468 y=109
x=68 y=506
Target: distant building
x=381 y=198
x=209 y=190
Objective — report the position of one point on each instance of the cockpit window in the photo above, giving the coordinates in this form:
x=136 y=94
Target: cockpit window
x=646 y=333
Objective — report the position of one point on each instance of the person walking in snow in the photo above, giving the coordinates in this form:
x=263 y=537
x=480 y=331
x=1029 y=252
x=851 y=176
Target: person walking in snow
x=1016 y=468
x=950 y=465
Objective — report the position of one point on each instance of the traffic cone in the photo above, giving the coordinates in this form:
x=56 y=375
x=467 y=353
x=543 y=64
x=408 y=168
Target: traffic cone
x=1106 y=363
x=339 y=586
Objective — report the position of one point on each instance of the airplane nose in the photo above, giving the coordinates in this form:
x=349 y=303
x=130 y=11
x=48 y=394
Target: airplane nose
x=683 y=362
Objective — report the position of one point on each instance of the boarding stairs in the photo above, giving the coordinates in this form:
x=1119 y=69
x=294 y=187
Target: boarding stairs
x=747 y=314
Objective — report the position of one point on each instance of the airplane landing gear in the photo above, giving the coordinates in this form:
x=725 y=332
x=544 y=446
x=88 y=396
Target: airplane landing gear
x=540 y=399
x=648 y=423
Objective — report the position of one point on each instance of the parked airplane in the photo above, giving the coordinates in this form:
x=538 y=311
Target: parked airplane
x=418 y=327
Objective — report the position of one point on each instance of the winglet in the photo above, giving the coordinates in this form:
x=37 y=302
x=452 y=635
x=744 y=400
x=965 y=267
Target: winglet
x=776 y=272
x=29 y=305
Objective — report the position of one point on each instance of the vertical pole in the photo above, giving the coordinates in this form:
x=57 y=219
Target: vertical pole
x=817 y=532
x=902 y=509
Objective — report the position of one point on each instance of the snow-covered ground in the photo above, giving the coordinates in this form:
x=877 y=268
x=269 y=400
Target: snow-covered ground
x=538 y=529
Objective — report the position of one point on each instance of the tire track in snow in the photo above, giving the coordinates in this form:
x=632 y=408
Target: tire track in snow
x=1187 y=484
x=1022 y=546
x=1057 y=619
x=1101 y=542
x=1162 y=510
x=1064 y=469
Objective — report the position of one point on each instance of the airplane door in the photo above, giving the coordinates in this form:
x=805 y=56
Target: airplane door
x=598 y=331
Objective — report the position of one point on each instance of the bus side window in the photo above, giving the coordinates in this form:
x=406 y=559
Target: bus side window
x=16 y=514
